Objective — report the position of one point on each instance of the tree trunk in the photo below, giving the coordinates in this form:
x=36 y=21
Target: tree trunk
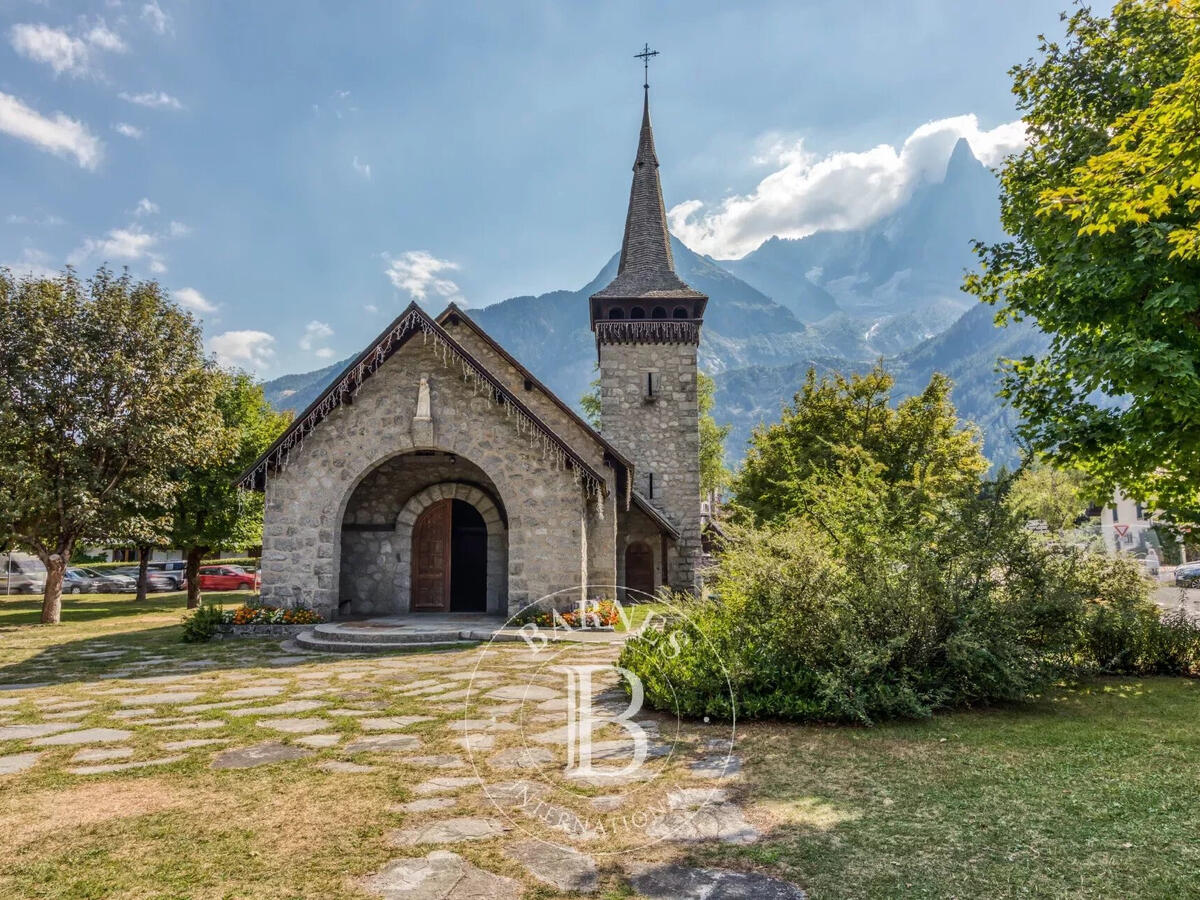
x=194 y=555
x=56 y=566
x=143 y=570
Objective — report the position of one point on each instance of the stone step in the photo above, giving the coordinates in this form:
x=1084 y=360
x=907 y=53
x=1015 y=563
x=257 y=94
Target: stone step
x=307 y=640
x=333 y=631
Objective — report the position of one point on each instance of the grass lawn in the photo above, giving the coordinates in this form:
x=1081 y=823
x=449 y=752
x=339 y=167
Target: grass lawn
x=1094 y=791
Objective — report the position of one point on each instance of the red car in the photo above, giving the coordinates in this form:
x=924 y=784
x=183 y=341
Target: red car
x=227 y=578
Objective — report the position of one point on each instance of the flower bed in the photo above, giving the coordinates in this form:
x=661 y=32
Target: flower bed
x=597 y=615
x=269 y=615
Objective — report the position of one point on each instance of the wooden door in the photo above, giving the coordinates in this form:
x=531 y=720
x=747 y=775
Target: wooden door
x=639 y=571
x=431 y=559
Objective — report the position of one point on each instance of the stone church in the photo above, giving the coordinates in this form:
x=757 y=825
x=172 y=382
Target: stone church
x=438 y=474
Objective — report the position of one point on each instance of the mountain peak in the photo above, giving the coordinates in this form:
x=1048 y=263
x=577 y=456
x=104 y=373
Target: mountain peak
x=962 y=160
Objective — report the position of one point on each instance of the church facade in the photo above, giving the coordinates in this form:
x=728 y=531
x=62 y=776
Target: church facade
x=437 y=474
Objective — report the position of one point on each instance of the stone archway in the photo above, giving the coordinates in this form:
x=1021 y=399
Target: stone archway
x=497 y=541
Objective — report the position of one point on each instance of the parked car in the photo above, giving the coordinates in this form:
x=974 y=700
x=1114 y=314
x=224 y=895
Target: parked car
x=109 y=582
x=174 y=569
x=78 y=581
x=155 y=581
x=1188 y=575
x=227 y=578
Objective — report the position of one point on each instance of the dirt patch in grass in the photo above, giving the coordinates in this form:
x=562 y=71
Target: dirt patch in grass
x=30 y=817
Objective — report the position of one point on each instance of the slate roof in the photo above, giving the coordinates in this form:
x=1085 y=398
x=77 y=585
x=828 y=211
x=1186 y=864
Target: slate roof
x=647 y=268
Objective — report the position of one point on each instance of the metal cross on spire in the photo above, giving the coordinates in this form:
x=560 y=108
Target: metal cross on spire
x=644 y=56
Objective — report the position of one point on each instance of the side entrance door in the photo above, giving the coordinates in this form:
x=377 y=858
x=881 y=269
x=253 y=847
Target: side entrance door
x=431 y=559
x=639 y=571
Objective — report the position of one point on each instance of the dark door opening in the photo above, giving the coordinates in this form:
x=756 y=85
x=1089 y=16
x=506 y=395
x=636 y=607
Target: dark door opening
x=639 y=572
x=468 y=559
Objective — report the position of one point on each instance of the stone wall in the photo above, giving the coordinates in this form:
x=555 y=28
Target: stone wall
x=376 y=545
x=302 y=547
x=661 y=436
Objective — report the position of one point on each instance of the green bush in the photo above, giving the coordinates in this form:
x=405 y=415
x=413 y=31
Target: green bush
x=861 y=609
x=201 y=625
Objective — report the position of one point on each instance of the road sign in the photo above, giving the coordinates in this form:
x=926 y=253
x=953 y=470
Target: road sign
x=1121 y=530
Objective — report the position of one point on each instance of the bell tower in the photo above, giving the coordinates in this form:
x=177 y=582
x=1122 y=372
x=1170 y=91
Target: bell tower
x=647 y=326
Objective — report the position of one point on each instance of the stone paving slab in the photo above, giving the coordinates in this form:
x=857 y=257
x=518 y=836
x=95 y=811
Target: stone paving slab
x=521 y=758
x=673 y=882
x=164 y=699
x=86 y=736
x=24 y=732
x=448 y=831
x=294 y=726
x=442 y=783
x=561 y=867
x=106 y=768
x=258 y=755
x=392 y=723
x=439 y=876
x=320 y=741
x=524 y=692
x=437 y=761
x=384 y=743
x=16 y=763
x=288 y=706
x=193 y=742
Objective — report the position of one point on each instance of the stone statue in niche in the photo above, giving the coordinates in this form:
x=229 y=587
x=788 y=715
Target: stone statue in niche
x=422 y=423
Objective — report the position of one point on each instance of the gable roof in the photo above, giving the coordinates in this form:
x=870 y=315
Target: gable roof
x=609 y=450
x=342 y=389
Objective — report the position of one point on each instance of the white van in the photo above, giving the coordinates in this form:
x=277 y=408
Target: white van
x=21 y=573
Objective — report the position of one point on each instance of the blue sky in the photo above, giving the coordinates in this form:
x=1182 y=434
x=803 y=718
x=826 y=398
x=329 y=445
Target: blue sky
x=297 y=172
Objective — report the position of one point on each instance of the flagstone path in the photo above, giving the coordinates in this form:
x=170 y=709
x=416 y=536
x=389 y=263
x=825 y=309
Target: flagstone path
x=481 y=735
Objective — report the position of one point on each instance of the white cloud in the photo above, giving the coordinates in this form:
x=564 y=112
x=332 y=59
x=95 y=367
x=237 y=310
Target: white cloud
x=145 y=207
x=159 y=20
x=418 y=272
x=807 y=193
x=60 y=135
x=63 y=52
x=316 y=333
x=371 y=308
x=130 y=131
x=178 y=229
x=121 y=243
x=243 y=349
x=152 y=99
x=104 y=38
x=55 y=48
x=192 y=299
x=362 y=168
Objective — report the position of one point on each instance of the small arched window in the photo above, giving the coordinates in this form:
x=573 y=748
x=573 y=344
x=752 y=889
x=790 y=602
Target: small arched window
x=658 y=313
x=637 y=313
x=680 y=313
x=616 y=313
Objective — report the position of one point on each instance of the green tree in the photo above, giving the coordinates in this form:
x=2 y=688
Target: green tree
x=104 y=390
x=210 y=512
x=714 y=475
x=835 y=424
x=1055 y=496
x=1104 y=206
